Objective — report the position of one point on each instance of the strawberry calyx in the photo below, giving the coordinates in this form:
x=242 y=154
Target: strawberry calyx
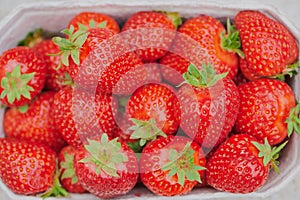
x=145 y=131
x=182 y=164
x=290 y=71
x=174 y=17
x=105 y=154
x=34 y=37
x=56 y=190
x=70 y=46
x=206 y=77
x=293 y=120
x=269 y=154
x=231 y=41
x=92 y=24
x=135 y=146
x=68 y=167
x=66 y=80
x=16 y=85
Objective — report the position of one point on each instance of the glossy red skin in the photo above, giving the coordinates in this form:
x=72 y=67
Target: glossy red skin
x=265 y=105
x=26 y=168
x=245 y=71
x=67 y=182
x=54 y=75
x=113 y=69
x=173 y=67
x=205 y=32
x=153 y=72
x=103 y=185
x=87 y=122
x=155 y=155
x=29 y=62
x=268 y=46
x=155 y=101
x=150 y=19
x=85 y=18
x=235 y=166
x=36 y=124
x=208 y=114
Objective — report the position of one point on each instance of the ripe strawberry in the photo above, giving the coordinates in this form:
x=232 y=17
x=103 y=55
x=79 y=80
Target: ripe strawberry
x=269 y=48
x=209 y=105
x=265 y=107
x=85 y=18
x=28 y=168
x=203 y=39
x=244 y=70
x=241 y=164
x=36 y=124
x=106 y=168
x=22 y=75
x=171 y=165
x=55 y=75
x=95 y=57
x=154 y=110
x=152 y=27
x=153 y=71
x=78 y=114
x=68 y=178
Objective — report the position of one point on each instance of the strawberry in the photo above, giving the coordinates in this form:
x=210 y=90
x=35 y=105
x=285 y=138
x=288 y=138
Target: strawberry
x=241 y=164
x=269 y=48
x=68 y=178
x=154 y=26
x=171 y=165
x=153 y=71
x=172 y=68
x=36 y=124
x=22 y=74
x=203 y=39
x=85 y=19
x=106 y=168
x=54 y=74
x=96 y=58
x=154 y=111
x=28 y=168
x=265 y=106
x=78 y=114
x=209 y=105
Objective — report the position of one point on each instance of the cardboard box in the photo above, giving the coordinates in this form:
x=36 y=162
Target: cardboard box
x=55 y=16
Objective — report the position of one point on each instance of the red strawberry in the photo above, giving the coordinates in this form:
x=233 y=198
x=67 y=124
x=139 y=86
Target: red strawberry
x=78 y=114
x=209 y=105
x=68 y=178
x=55 y=75
x=172 y=165
x=172 y=68
x=265 y=106
x=153 y=107
x=153 y=71
x=28 y=168
x=95 y=57
x=203 y=39
x=156 y=26
x=245 y=72
x=85 y=18
x=269 y=48
x=22 y=74
x=241 y=164
x=35 y=124
x=106 y=168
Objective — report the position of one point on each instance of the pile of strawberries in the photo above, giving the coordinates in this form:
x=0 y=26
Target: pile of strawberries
x=170 y=105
